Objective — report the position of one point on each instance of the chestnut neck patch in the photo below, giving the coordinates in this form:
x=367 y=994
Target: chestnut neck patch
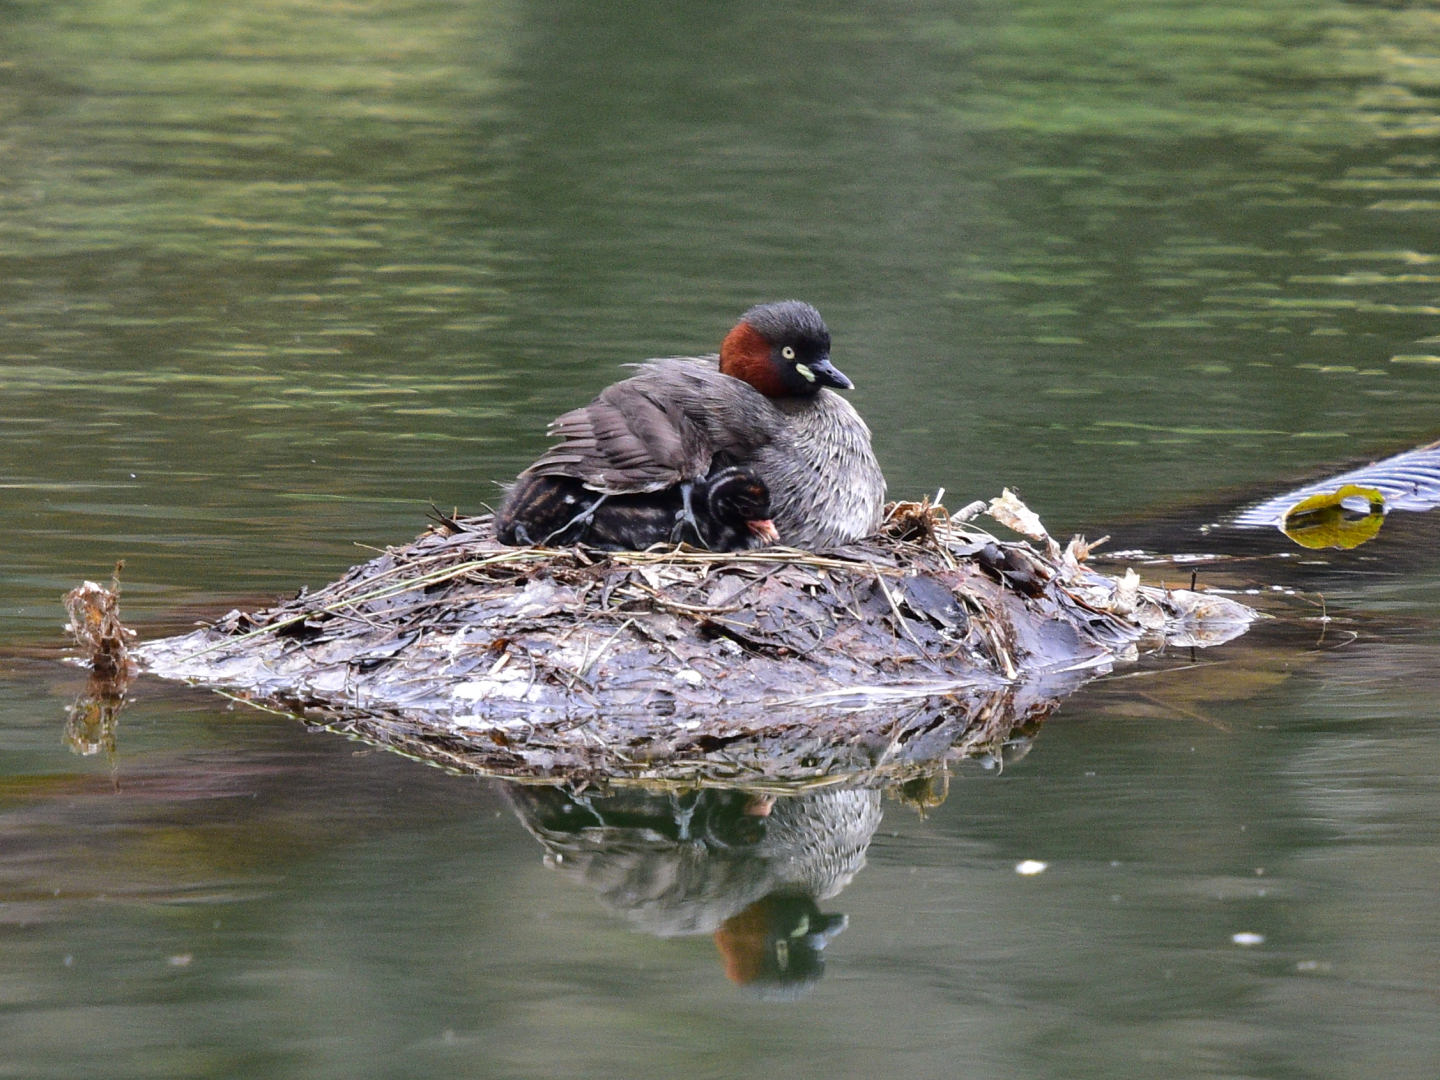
x=745 y=355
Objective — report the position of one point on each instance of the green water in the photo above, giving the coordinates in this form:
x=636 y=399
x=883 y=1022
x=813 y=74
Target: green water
x=275 y=275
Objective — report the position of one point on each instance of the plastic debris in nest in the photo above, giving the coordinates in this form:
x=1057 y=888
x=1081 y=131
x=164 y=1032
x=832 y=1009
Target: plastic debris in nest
x=676 y=664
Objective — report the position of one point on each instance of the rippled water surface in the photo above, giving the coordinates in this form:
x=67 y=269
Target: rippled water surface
x=275 y=275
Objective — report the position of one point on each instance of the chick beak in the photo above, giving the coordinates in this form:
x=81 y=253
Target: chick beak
x=764 y=531
x=760 y=806
x=827 y=374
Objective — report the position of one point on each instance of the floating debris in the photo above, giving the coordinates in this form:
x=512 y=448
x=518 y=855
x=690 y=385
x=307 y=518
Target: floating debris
x=1348 y=510
x=1030 y=867
x=1344 y=518
x=1248 y=940
x=95 y=625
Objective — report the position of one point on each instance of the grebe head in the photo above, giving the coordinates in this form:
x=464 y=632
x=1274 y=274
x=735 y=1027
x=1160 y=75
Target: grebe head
x=782 y=350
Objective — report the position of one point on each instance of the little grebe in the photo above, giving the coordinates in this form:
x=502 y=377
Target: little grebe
x=763 y=403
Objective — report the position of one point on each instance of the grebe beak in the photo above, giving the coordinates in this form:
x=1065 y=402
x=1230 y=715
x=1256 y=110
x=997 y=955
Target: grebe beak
x=827 y=374
x=764 y=531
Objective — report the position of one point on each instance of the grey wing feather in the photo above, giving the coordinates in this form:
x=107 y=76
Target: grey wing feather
x=656 y=429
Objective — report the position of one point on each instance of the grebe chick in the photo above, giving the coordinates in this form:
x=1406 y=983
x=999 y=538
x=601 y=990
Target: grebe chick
x=729 y=510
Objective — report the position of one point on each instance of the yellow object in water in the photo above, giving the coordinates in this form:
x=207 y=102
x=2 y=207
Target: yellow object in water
x=1323 y=521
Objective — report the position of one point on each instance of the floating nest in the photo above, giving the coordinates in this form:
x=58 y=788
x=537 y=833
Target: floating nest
x=872 y=663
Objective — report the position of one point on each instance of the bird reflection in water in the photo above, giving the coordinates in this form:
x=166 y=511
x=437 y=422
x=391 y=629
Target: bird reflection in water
x=748 y=869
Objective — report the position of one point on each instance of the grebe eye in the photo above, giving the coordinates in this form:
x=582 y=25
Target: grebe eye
x=788 y=353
